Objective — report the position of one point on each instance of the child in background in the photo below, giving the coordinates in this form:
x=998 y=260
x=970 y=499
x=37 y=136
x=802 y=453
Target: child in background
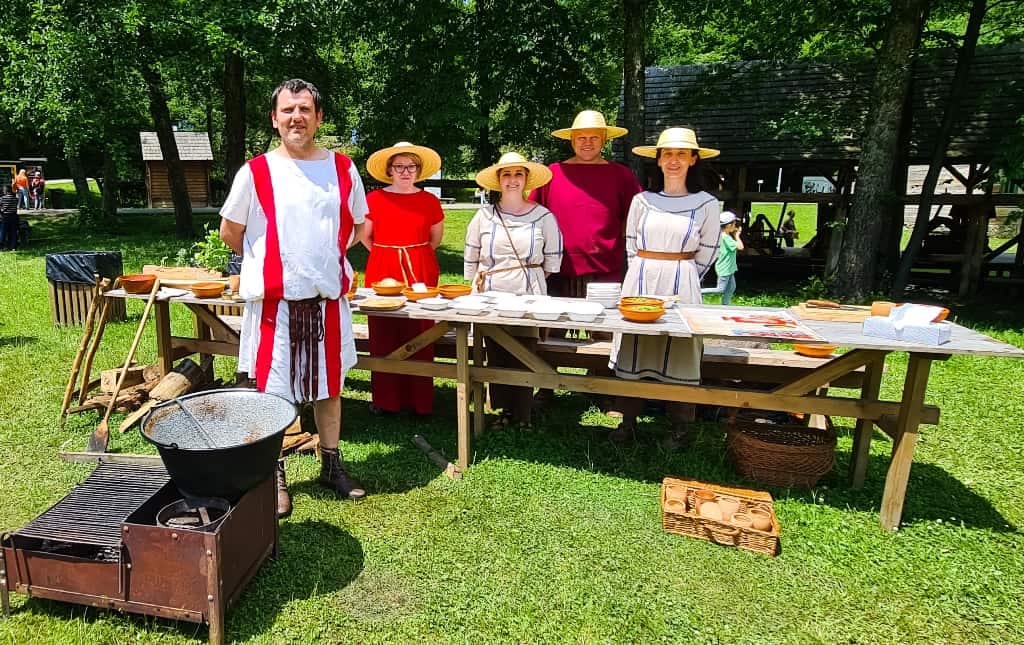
x=725 y=266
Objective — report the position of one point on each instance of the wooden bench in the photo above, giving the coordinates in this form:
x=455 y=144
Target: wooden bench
x=721 y=362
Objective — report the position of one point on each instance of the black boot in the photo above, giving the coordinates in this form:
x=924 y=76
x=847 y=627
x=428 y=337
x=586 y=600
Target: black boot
x=284 y=500
x=333 y=475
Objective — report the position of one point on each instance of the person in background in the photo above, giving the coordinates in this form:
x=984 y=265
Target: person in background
x=404 y=226
x=292 y=213
x=512 y=245
x=725 y=265
x=788 y=229
x=672 y=237
x=9 y=220
x=21 y=186
x=37 y=188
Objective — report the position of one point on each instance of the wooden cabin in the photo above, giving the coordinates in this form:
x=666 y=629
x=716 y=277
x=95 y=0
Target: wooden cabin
x=780 y=124
x=196 y=157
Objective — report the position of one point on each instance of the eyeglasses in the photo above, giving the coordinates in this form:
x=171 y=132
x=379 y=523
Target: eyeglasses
x=401 y=170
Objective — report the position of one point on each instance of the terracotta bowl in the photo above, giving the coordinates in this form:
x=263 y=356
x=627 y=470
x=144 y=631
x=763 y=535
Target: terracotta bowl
x=814 y=351
x=641 y=313
x=207 y=289
x=454 y=290
x=409 y=294
x=385 y=290
x=641 y=300
x=138 y=282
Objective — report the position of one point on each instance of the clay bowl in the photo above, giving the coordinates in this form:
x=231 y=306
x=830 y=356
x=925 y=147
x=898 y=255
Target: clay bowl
x=207 y=289
x=641 y=313
x=388 y=290
x=814 y=351
x=138 y=282
x=760 y=519
x=641 y=300
x=454 y=290
x=409 y=294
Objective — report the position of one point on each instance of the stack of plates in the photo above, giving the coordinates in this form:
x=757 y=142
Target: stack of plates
x=606 y=293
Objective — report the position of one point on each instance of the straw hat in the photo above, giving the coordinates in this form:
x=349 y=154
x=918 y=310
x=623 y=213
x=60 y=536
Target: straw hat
x=683 y=138
x=539 y=173
x=377 y=164
x=590 y=120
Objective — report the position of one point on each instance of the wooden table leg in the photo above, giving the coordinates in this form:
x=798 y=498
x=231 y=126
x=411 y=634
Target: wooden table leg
x=203 y=332
x=164 y=351
x=861 y=452
x=479 y=395
x=462 y=385
x=906 y=439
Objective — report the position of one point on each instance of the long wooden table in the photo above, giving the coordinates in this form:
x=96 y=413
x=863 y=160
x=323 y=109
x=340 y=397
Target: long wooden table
x=900 y=419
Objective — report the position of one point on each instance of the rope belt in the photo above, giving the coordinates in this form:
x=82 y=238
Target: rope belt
x=305 y=332
x=404 y=260
x=481 y=276
x=659 y=255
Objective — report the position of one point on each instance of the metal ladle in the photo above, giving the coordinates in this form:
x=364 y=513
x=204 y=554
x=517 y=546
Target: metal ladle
x=195 y=422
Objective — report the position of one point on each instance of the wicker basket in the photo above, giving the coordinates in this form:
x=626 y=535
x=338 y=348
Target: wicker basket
x=781 y=454
x=690 y=523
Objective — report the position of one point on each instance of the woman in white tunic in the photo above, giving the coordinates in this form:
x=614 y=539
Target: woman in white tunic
x=672 y=239
x=512 y=246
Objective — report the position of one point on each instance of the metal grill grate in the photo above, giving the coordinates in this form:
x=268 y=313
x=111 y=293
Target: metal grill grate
x=93 y=511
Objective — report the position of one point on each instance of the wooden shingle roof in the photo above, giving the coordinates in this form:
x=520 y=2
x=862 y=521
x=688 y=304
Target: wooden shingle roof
x=192 y=146
x=759 y=111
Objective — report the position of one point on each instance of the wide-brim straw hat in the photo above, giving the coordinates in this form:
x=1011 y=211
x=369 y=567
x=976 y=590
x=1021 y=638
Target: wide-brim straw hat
x=680 y=138
x=591 y=120
x=377 y=164
x=539 y=173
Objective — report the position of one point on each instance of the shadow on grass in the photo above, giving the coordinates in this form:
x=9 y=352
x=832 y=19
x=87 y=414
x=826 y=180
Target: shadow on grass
x=16 y=341
x=572 y=433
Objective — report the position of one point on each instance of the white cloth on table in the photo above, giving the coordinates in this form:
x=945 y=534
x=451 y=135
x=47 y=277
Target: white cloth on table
x=683 y=224
x=537 y=240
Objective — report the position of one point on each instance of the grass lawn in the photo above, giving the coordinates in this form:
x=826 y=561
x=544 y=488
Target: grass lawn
x=553 y=536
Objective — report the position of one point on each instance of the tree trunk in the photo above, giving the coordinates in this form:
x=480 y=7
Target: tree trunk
x=82 y=194
x=161 y=116
x=957 y=90
x=634 y=34
x=858 y=259
x=111 y=185
x=234 y=114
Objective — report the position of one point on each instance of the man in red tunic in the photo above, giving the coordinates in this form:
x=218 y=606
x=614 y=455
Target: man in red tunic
x=590 y=198
x=291 y=214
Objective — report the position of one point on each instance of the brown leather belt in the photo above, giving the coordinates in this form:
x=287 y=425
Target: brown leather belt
x=658 y=255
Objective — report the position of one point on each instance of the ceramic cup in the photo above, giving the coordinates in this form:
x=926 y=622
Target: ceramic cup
x=702 y=496
x=673 y=505
x=760 y=519
x=234 y=281
x=741 y=520
x=711 y=510
x=729 y=505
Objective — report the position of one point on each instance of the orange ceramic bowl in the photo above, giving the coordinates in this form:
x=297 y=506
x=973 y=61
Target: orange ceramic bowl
x=814 y=351
x=386 y=290
x=454 y=290
x=642 y=300
x=138 y=282
x=641 y=313
x=409 y=294
x=207 y=289
x=942 y=315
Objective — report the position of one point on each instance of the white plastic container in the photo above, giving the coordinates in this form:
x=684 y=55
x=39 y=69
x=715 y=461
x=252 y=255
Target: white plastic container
x=470 y=308
x=510 y=308
x=546 y=309
x=585 y=311
x=434 y=304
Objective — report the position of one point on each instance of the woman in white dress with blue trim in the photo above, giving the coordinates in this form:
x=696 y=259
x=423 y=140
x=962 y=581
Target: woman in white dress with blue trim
x=672 y=239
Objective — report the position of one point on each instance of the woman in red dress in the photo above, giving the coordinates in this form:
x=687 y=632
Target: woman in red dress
x=403 y=228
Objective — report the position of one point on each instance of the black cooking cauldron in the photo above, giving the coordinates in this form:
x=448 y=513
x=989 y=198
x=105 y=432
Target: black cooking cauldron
x=235 y=449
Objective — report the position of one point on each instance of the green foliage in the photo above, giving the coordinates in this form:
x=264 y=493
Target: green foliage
x=211 y=252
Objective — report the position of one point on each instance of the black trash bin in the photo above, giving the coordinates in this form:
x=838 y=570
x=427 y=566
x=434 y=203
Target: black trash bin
x=71 y=276
x=56 y=197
